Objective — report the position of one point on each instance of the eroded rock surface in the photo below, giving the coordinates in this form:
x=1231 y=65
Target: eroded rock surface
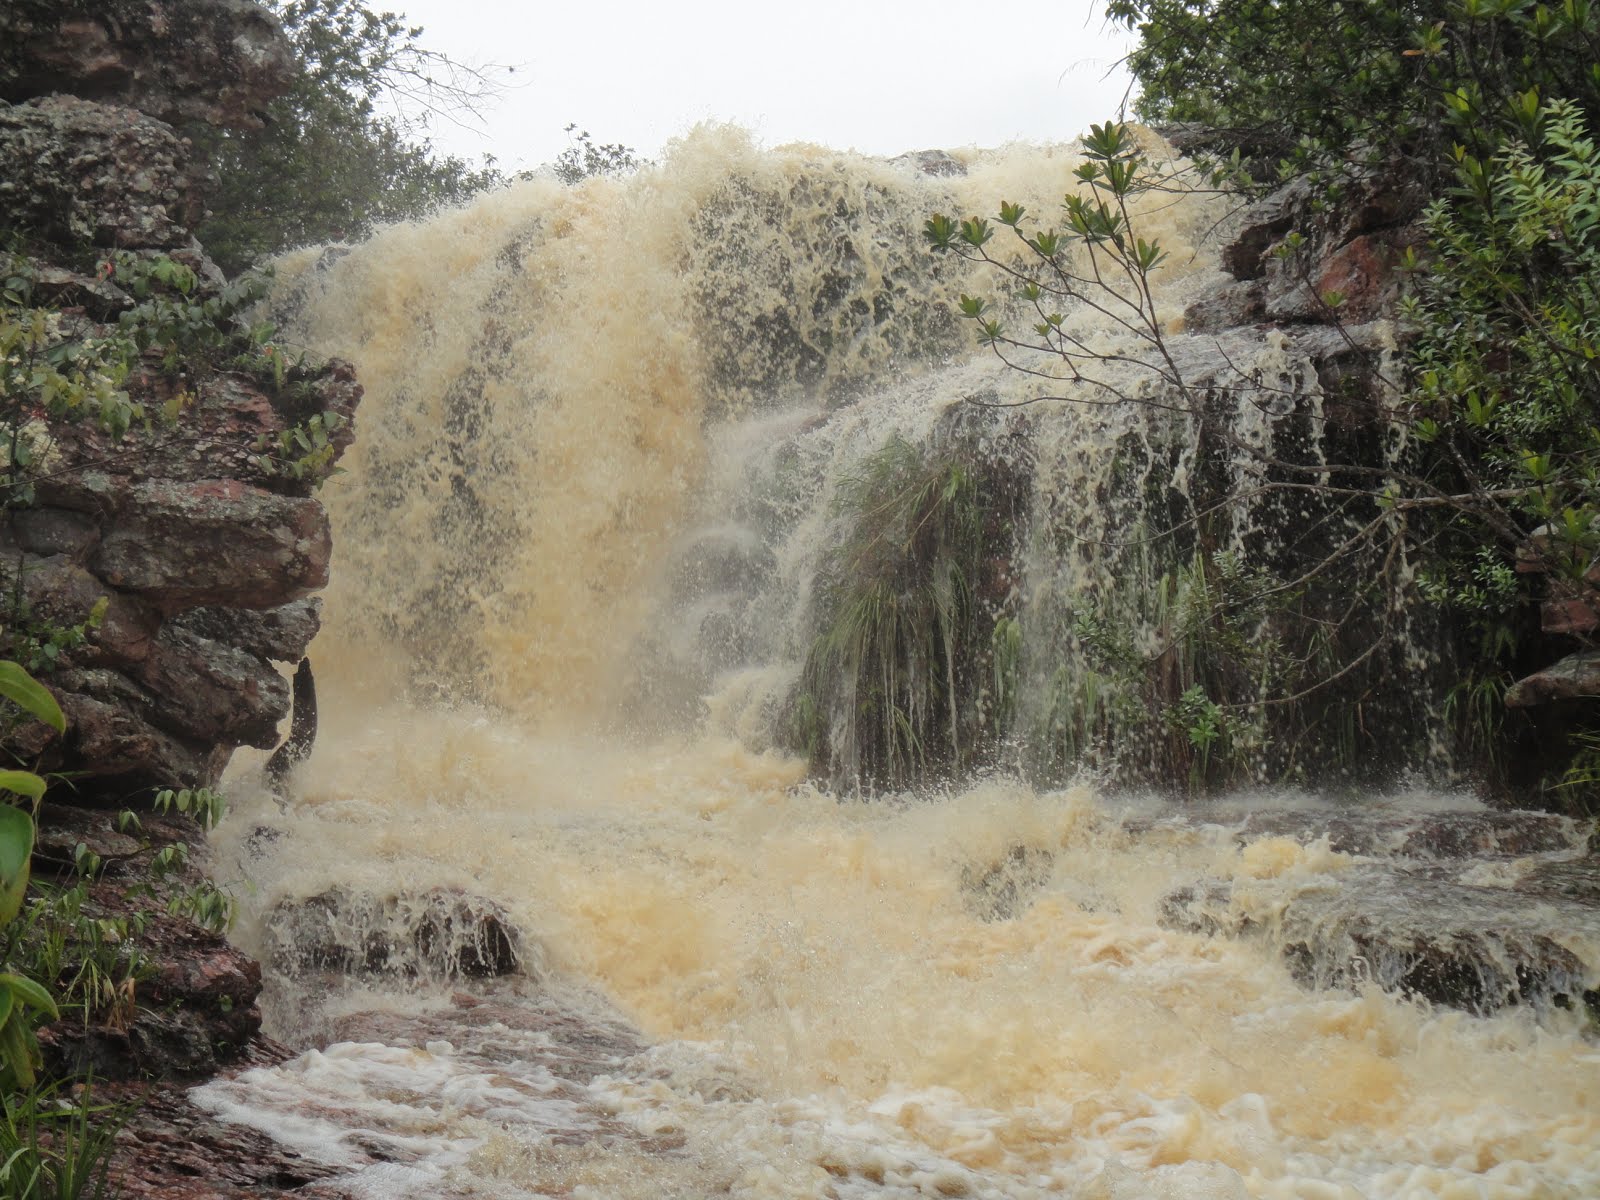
x=198 y=552
x=77 y=172
x=215 y=61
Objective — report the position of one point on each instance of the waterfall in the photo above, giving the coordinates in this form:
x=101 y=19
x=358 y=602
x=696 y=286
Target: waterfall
x=628 y=450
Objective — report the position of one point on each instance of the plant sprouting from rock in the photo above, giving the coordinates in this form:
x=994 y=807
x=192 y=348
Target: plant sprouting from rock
x=885 y=696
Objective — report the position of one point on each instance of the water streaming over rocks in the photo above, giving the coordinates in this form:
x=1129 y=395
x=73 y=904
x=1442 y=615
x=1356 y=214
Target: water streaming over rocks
x=579 y=544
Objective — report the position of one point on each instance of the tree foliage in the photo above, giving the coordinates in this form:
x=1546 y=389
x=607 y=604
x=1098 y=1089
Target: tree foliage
x=342 y=151
x=584 y=158
x=1487 y=468
x=1320 y=82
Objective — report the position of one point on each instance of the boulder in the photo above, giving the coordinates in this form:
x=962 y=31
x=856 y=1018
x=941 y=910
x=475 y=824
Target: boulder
x=442 y=933
x=75 y=172
x=216 y=541
x=113 y=739
x=212 y=61
x=211 y=692
x=1575 y=676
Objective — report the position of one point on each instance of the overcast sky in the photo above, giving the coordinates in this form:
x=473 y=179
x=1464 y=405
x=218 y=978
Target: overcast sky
x=880 y=76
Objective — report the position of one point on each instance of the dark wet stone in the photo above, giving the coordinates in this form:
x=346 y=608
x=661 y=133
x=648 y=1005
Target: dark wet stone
x=442 y=933
x=1386 y=832
x=1002 y=890
x=278 y=634
x=1425 y=931
x=1575 y=676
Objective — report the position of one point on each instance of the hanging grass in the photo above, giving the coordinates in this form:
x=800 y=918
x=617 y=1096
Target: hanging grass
x=890 y=691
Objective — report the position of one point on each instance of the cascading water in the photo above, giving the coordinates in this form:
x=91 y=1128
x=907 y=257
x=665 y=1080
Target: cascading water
x=579 y=549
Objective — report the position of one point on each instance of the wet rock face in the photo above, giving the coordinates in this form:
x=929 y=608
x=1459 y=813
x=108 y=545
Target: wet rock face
x=172 y=1150
x=1377 y=832
x=206 y=565
x=193 y=1005
x=214 y=61
x=1351 y=248
x=1478 y=911
x=201 y=559
x=440 y=933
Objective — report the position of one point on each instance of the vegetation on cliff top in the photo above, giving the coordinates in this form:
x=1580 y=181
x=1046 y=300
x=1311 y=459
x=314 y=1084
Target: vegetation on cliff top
x=343 y=150
x=1484 y=465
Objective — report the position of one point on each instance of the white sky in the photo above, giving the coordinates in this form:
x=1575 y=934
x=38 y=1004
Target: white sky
x=880 y=76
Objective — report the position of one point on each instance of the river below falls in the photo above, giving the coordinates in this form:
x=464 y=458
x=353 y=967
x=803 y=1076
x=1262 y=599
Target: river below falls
x=735 y=984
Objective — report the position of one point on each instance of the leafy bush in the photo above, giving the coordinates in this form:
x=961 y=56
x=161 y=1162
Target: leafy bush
x=1506 y=397
x=585 y=159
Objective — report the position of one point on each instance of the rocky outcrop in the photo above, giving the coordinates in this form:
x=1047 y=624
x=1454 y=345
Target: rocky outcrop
x=192 y=1005
x=203 y=564
x=185 y=555
x=1301 y=260
x=215 y=61
x=1472 y=910
x=81 y=173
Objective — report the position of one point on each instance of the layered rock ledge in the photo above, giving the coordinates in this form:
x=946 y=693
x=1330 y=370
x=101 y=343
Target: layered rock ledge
x=199 y=554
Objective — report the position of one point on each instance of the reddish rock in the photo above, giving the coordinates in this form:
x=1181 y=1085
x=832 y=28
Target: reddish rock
x=217 y=541
x=111 y=736
x=171 y=1150
x=1571 y=614
x=1362 y=272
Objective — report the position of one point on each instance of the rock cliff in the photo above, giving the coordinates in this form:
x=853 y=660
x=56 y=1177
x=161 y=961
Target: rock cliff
x=200 y=551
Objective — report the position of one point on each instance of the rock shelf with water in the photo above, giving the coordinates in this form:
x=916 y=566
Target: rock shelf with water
x=1474 y=910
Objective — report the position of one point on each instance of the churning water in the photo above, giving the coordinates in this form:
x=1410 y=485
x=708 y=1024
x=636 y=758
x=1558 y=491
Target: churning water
x=577 y=541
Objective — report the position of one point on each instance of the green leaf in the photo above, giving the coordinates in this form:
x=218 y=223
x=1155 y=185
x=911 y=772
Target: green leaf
x=8 y=1001
x=30 y=993
x=24 y=783
x=16 y=849
x=29 y=695
x=17 y=1051
x=975 y=231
